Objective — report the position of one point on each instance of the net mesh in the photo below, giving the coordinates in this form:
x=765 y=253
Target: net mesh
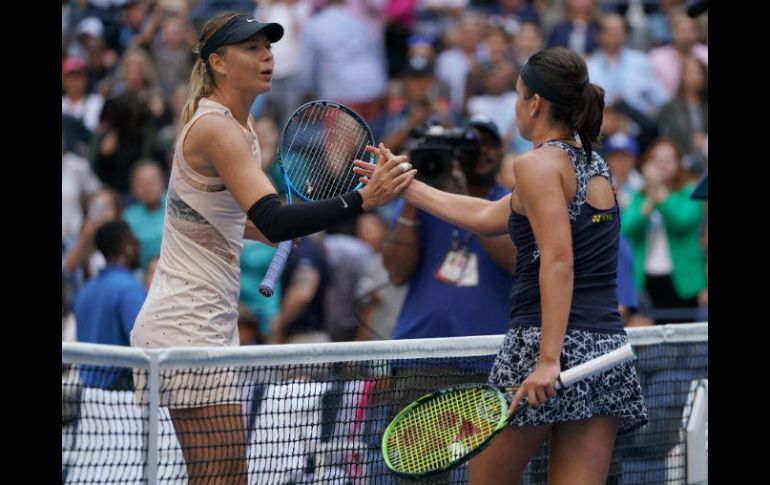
x=317 y=413
x=318 y=147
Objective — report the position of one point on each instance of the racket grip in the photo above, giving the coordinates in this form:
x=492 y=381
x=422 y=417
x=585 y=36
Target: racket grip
x=276 y=268
x=595 y=366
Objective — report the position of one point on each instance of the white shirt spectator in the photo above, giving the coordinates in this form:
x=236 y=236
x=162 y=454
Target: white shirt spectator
x=77 y=182
x=86 y=109
x=292 y=16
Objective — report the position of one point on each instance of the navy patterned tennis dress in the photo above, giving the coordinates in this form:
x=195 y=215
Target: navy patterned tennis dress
x=594 y=326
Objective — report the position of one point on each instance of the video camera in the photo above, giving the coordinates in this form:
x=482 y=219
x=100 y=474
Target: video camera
x=438 y=147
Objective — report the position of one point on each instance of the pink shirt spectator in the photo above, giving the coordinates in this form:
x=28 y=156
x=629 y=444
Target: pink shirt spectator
x=401 y=11
x=667 y=64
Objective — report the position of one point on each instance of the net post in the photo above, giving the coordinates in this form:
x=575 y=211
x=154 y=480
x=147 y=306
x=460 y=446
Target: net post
x=697 y=454
x=153 y=379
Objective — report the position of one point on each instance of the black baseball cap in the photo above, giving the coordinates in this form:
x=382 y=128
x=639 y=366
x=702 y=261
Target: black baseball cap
x=239 y=29
x=485 y=123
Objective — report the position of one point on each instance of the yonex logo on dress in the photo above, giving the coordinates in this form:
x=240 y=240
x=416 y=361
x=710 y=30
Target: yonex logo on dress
x=601 y=218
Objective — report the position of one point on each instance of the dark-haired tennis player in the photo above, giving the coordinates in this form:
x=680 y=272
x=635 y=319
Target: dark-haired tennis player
x=563 y=217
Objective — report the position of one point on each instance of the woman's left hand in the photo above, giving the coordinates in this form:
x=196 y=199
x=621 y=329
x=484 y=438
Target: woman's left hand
x=538 y=387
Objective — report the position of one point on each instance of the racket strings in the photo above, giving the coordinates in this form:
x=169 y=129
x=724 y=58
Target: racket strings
x=320 y=144
x=444 y=429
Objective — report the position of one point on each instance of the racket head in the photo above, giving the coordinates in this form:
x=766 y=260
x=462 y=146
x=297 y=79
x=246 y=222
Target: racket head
x=319 y=143
x=443 y=429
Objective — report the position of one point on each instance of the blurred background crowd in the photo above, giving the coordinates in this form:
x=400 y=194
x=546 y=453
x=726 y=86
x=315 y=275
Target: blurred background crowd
x=433 y=78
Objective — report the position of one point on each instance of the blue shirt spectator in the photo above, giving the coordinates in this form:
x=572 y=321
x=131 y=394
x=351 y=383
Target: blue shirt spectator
x=624 y=74
x=107 y=305
x=433 y=308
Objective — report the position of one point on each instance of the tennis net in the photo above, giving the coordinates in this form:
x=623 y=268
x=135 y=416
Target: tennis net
x=315 y=413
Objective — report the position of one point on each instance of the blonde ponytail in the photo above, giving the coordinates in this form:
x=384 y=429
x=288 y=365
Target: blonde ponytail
x=202 y=79
x=201 y=85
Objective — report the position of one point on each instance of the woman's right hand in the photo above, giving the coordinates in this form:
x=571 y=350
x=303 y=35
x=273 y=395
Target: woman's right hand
x=538 y=387
x=385 y=179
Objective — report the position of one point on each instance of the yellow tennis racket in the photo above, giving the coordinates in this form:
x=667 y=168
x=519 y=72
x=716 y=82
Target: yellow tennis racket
x=445 y=428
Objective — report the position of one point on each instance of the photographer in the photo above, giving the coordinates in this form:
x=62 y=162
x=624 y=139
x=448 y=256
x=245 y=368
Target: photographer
x=455 y=277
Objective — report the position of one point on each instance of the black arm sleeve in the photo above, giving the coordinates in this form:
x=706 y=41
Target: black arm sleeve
x=283 y=222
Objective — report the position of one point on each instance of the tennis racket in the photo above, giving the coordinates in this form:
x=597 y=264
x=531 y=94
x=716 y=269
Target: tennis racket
x=445 y=428
x=318 y=145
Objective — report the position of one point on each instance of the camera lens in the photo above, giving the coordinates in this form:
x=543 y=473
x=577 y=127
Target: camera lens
x=433 y=164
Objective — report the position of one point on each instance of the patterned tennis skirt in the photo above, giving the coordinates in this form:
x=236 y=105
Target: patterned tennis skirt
x=615 y=392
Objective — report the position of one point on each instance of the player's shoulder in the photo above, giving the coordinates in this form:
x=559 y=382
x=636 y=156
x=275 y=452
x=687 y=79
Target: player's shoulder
x=540 y=161
x=214 y=123
x=215 y=131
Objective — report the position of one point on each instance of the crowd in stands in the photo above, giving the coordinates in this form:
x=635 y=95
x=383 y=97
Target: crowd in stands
x=401 y=64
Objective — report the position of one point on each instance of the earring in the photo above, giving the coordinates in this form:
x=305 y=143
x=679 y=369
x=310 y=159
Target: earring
x=532 y=114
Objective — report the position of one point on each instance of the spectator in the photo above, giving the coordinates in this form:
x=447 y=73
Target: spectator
x=90 y=44
x=454 y=64
x=255 y=259
x=667 y=60
x=81 y=259
x=76 y=101
x=421 y=248
x=663 y=225
x=579 y=31
x=106 y=307
x=625 y=74
x=498 y=102
x=378 y=301
x=630 y=86
x=138 y=25
x=422 y=100
x=499 y=51
x=399 y=27
x=684 y=119
x=172 y=53
x=343 y=59
x=77 y=183
x=285 y=96
x=658 y=29
x=168 y=133
x=348 y=258
x=527 y=41
x=130 y=120
x=145 y=216
x=621 y=151
x=518 y=11
x=304 y=281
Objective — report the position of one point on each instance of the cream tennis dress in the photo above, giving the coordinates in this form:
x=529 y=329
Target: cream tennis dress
x=193 y=299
